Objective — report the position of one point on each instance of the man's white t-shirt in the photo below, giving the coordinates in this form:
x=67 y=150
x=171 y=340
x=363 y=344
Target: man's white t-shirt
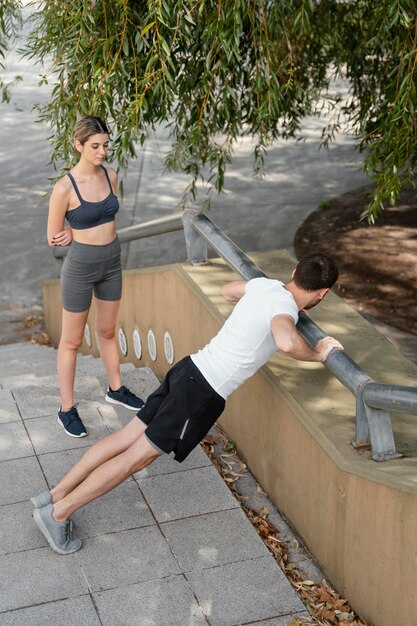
x=245 y=342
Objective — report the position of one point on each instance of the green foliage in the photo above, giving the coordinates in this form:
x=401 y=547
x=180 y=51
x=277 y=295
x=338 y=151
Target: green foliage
x=10 y=19
x=216 y=71
x=376 y=49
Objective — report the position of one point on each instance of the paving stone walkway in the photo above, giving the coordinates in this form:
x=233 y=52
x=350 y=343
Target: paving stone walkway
x=169 y=547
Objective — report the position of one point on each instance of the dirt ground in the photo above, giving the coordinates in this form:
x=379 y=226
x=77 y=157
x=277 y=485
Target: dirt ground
x=377 y=264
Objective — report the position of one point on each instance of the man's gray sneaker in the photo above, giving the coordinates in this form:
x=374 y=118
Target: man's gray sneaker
x=41 y=500
x=59 y=535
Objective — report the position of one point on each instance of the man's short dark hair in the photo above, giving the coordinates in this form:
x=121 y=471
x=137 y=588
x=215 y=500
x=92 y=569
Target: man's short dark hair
x=316 y=271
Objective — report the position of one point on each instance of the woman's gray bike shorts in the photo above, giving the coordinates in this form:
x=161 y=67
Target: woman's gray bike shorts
x=89 y=269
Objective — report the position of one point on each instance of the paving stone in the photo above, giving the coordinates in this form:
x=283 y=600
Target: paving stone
x=165 y=464
x=278 y=621
x=8 y=407
x=115 y=417
x=243 y=592
x=89 y=365
x=72 y=612
x=311 y=570
x=14 y=442
x=20 y=479
x=127 y=367
x=214 y=539
x=15 y=382
x=18 y=531
x=297 y=551
x=126 y=558
x=36 y=401
x=183 y=494
x=142 y=381
x=40 y=400
x=56 y=464
x=16 y=367
x=25 y=348
x=38 y=576
x=26 y=353
x=167 y=602
x=121 y=509
x=47 y=435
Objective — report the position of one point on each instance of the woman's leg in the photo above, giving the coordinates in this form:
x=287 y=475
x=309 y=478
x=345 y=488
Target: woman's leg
x=99 y=453
x=71 y=337
x=106 y=477
x=106 y=318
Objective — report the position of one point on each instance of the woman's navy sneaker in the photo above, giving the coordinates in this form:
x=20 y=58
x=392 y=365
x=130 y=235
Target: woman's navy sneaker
x=71 y=423
x=124 y=397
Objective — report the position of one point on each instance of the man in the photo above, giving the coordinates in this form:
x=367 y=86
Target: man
x=178 y=415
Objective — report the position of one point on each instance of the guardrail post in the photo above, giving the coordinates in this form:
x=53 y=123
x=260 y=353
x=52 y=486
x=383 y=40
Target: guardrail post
x=380 y=429
x=362 y=429
x=382 y=437
x=196 y=246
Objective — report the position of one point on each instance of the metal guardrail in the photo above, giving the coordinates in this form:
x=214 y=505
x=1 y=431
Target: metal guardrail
x=159 y=226
x=373 y=400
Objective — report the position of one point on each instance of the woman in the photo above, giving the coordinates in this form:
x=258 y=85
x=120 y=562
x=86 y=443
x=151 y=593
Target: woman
x=86 y=198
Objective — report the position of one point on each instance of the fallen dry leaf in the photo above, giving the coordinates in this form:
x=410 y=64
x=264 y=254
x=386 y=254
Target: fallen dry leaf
x=260 y=490
x=264 y=512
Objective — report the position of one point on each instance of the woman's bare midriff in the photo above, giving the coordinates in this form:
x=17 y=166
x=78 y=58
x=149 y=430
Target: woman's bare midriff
x=96 y=236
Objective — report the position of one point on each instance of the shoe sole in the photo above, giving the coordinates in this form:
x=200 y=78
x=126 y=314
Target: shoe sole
x=45 y=532
x=70 y=434
x=131 y=408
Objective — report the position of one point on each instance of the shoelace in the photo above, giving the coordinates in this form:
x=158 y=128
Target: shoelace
x=126 y=393
x=73 y=413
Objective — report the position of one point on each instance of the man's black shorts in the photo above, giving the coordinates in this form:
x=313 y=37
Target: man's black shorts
x=181 y=411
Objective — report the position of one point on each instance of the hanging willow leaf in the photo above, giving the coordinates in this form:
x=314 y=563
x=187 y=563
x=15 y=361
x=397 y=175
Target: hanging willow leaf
x=229 y=69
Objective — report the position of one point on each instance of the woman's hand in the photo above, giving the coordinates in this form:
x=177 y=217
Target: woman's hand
x=63 y=238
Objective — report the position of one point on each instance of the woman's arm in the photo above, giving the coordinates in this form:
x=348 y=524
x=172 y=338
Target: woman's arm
x=57 y=233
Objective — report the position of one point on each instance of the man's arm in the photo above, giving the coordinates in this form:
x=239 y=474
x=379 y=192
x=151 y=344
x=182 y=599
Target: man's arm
x=290 y=342
x=232 y=292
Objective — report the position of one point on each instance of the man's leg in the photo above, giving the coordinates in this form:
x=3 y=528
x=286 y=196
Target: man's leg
x=99 y=453
x=106 y=477
x=53 y=519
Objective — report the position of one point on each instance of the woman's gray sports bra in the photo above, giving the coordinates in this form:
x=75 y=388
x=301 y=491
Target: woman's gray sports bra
x=90 y=214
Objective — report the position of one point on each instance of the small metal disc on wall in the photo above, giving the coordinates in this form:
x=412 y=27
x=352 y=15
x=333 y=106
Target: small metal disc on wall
x=122 y=342
x=168 y=348
x=152 y=344
x=137 y=344
x=87 y=335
